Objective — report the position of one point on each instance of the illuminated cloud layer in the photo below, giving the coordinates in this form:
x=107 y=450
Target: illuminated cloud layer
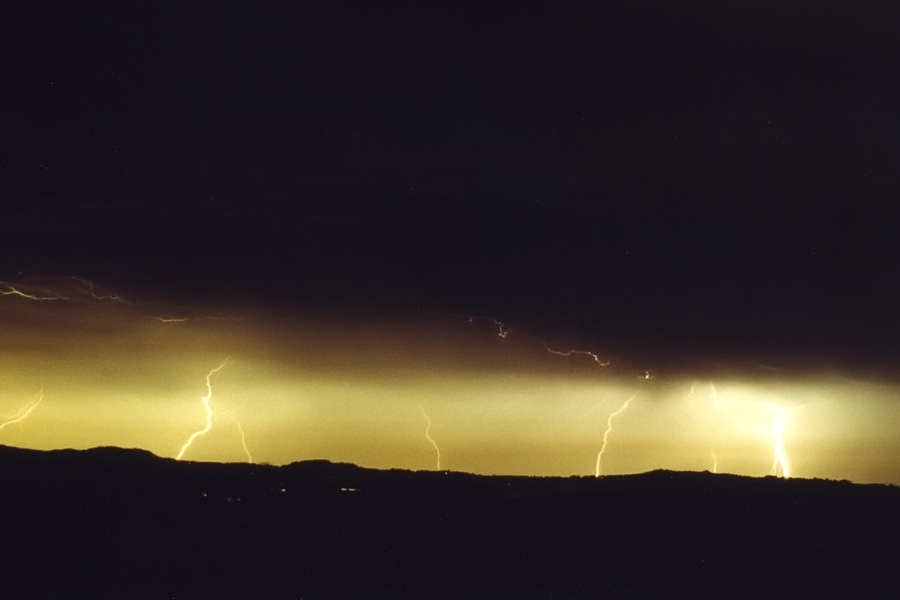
x=82 y=366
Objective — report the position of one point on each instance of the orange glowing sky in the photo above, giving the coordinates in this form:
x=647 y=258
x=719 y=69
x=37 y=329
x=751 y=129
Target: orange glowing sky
x=82 y=366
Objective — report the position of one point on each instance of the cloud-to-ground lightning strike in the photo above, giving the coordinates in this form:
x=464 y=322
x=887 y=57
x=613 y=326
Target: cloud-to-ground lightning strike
x=429 y=438
x=209 y=411
x=780 y=460
x=504 y=331
x=243 y=437
x=712 y=440
x=606 y=433
x=22 y=413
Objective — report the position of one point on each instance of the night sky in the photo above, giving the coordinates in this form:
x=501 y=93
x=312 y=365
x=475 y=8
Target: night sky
x=676 y=185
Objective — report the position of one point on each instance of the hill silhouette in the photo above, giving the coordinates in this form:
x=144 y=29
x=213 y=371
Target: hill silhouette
x=115 y=523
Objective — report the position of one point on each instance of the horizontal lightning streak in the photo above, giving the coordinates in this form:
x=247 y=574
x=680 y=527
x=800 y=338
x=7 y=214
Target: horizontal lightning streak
x=7 y=289
x=503 y=331
x=90 y=291
x=593 y=356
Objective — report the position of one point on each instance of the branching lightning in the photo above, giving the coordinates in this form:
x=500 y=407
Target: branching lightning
x=90 y=291
x=429 y=438
x=606 y=433
x=209 y=414
x=22 y=413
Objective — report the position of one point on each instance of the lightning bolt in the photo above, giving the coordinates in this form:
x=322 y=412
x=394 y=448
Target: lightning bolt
x=201 y=318
x=7 y=289
x=606 y=433
x=429 y=438
x=594 y=357
x=209 y=412
x=711 y=437
x=243 y=437
x=503 y=331
x=90 y=291
x=775 y=432
x=22 y=413
x=780 y=459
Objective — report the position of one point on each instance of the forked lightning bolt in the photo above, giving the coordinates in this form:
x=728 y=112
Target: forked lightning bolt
x=429 y=438
x=209 y=416
x=606 y=433
x=22 y=413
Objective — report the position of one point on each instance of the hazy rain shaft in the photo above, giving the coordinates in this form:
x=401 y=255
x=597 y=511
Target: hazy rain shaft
x=84 y=367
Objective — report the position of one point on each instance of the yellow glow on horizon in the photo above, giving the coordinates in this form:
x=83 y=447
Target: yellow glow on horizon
x=117 y=372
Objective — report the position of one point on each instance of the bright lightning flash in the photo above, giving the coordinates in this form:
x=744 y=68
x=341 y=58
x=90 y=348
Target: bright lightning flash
x=606 y=433
x=22 y=413
x=209 y=415
x=780 y=462
x=429 y=438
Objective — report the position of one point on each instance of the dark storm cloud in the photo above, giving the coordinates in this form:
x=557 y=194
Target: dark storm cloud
x=694 y=178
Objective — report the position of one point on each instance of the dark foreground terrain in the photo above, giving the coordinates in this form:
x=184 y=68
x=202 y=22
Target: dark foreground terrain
x=114 y=523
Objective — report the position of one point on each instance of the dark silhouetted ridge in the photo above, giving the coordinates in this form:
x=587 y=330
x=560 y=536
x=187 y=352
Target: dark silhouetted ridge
x=115 y=523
